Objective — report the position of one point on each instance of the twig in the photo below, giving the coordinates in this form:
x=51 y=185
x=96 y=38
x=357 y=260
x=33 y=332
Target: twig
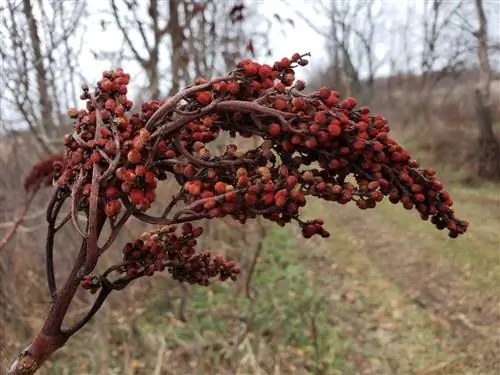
x=204 y=163
x=115 y=231
x=255 y=259
x=103 y=294
x=49 y=249
x=75 y=196
x=33 y=216
x=92 y=248
x=170 y=103
x=114 y=164
x=182 y=305
x=173 y=126
x=20 y=218
x=159 y=358
x=175 y=199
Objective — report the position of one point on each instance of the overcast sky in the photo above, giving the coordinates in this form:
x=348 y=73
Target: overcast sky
x=300 y=38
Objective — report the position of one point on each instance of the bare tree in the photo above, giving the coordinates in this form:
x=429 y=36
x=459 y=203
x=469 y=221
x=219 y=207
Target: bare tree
x=39 y=50
x=488 y=146
x=351 y=34
x=176 y=41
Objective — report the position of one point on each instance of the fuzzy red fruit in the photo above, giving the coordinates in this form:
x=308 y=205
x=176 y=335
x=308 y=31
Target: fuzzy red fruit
x=279 y=87
x=373 y=185
x=204 y=97
x=291 y=181
x=377 y=146
x=298 y=197
x=230 y=197
x=106 y=85
x=251 y=199
x=150 y=195
x=250 y=69
x=311 y=143
x=274 y=129
x=136 y=196
x=324 y=93
x=280 y=104
x=268 y=199
x=285 y=63
x=149 y=177
x=112 y=192
x=110 y=104
x=265 y=71
x=334 y=129
x=280 y=200
x=220 y=187
x=140 y=170
x=331 y=101
x=233 y=87
x=349 y=103
x=314 y=128
x=112 y=208
x=320 y=118
x=134 y=156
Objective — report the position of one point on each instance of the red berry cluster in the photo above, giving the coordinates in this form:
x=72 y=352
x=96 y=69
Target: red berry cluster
x=44 y=171
x=122 y=142
x=174 y=250
x=315 y=144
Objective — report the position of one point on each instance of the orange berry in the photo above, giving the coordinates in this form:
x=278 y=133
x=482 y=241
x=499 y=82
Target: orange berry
x=204 y=97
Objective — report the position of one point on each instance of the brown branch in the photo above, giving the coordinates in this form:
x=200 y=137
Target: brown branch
x=51 y=338
x=115 y=231
x=255 y=259
x=75 y=197
x=103 y=294
x=15 y=225
x=92 y=248
x=52 y=212
x=171 y=102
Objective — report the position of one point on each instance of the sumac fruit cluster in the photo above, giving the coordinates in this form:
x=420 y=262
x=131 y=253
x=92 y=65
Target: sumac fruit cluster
x=311 y=145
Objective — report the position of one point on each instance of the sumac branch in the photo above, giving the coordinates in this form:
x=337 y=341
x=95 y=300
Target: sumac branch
x=313 y=145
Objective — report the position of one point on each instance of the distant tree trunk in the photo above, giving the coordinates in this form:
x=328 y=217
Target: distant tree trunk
x=488 y=153
x=45 y=102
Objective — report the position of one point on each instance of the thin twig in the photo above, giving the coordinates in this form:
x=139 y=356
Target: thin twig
x=75 y=196
x=255 y=259
x=27 y=203
x=103 y=294
x=115 y=231
x=114 y=164
x=170 y=103
x=92 y=248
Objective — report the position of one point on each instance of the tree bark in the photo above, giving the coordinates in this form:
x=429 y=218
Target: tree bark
x=41 y=73
x=52 y=337
x=488 y=153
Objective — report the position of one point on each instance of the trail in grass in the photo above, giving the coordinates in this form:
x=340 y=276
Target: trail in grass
x=452 y=282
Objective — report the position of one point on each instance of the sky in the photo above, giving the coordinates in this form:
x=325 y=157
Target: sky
x=300 y=38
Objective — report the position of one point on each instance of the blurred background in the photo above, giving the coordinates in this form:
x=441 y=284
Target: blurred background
x=386 y=294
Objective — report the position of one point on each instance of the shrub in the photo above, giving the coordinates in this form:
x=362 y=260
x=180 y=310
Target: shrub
x=314 y=145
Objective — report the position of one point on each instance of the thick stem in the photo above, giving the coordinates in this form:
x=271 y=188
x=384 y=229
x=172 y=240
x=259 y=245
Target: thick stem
x=33 y=357
x=51 y=337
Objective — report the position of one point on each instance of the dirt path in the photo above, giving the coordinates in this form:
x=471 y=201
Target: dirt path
x=408 y=255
